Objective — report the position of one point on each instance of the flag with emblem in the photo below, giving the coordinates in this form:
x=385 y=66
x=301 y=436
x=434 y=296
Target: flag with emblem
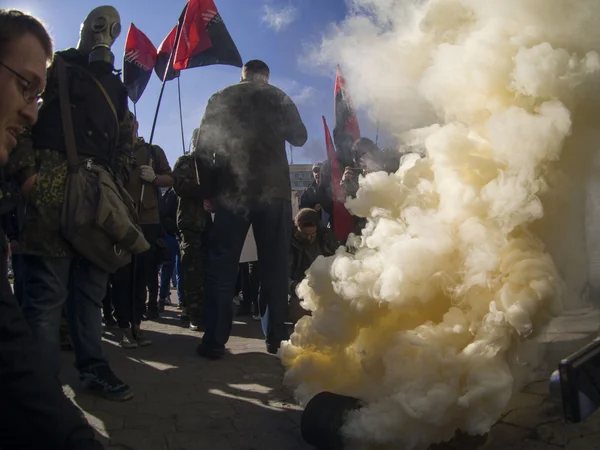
x=138 y=62
x=204 y=39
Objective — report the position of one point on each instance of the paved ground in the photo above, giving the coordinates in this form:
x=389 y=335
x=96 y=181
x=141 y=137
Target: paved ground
x=186 y=403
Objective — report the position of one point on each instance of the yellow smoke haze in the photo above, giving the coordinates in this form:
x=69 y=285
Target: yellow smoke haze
x=471 y=250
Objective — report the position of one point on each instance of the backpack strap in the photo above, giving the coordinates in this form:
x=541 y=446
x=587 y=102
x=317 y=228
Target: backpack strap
x=65 y=112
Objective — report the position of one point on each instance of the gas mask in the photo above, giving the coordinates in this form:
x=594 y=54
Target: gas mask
x=99 y=31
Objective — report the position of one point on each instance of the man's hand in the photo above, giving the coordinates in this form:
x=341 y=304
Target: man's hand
x=209 y=205
x=349 y=173
x=147 y=174
x=318 y=207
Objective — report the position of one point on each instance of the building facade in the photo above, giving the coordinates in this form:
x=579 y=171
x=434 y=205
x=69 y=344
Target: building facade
x=301 y=177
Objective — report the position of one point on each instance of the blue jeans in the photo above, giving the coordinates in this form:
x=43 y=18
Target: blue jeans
x=272 y=225
x=49 y=283
x=166 y=272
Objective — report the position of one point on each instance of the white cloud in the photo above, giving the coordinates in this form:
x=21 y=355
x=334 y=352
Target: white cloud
x=305 y=96
x=278 y=19
x=301 y=95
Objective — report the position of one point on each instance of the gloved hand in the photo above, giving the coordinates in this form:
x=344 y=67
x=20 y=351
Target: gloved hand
x=147 y=174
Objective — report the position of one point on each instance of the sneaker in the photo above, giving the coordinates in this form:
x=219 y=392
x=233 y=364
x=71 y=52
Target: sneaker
x=256 y=316
x=195 y=324
x=127 y=339
x=168 y=301
x=141 y=338
x=102 y=381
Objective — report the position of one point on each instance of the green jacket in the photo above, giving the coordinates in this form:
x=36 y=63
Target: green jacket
x=189 y=188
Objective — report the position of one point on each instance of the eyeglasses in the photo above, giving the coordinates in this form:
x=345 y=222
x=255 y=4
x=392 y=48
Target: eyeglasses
x=30 y=89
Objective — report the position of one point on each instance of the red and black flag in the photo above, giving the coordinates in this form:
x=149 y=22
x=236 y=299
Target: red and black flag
x=343 y=224
x=346 y=130
x=204 y=39
x=163 y=55
x=138 y=61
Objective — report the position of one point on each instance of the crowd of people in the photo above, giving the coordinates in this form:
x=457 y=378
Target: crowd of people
x=99 y=227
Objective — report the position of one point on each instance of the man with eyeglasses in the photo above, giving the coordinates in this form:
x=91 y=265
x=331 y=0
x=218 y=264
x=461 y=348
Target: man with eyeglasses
x=34 y=412
x=55 y=273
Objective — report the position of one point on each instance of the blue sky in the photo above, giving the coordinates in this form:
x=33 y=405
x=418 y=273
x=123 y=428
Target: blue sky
x=276 y=31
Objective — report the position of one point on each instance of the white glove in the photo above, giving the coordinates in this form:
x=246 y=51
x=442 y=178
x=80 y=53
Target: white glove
x=147 y=174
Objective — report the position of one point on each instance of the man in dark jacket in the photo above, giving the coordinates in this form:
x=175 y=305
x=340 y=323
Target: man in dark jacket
x=310 y=198
x=34 y=411
x=244 y=131
x=309 y=241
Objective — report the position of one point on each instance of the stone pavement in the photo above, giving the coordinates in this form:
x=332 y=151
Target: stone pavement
x=184 y=402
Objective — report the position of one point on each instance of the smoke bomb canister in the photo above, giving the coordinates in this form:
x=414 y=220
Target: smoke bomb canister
x=323 y=417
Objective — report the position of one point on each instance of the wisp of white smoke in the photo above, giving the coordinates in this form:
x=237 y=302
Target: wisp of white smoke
x=471 y=250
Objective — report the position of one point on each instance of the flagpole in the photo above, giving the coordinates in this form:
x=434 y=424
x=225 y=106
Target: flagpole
x=377 y=136
x=134 y=111
x=181 y=115
x=164 y=81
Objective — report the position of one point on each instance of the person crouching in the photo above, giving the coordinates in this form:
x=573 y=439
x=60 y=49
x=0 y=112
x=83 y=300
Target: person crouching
x=309 y=241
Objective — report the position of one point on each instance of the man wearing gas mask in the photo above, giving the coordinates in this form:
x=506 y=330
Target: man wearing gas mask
x=54 y=272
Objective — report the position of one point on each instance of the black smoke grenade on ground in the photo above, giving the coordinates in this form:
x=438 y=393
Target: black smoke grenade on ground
x=324 y=416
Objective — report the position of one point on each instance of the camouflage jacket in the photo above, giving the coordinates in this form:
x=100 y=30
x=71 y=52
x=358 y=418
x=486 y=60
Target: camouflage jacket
x=188 y=187
x=41 y=234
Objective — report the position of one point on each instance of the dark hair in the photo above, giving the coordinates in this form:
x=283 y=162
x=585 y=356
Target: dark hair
x=255 y=67
x=307 y=217
x=16 y=24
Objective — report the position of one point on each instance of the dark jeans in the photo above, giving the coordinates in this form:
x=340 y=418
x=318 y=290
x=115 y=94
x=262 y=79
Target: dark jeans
x=17 y=267
x=249 y=281
x=167 y=270
x=272 y=225
x=130 y=306
x=49 y=283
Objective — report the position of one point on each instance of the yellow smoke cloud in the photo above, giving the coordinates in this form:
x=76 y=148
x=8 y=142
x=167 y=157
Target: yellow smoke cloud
x=470 y=251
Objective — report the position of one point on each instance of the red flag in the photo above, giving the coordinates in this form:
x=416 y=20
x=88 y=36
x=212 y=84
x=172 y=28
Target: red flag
x=163 y=55
x=346 y=129
x=343 y=224
x=204 y=39
x=138 y=61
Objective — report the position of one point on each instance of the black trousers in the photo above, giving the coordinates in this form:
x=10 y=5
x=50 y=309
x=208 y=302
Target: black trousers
x=129 y=282
x=272 y=227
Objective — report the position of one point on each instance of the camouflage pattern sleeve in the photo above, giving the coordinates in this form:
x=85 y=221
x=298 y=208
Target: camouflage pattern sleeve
x=124 y=149
x=22 y=160
x=186 y=183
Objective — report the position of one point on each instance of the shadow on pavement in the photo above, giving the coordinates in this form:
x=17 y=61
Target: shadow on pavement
x=185 y=402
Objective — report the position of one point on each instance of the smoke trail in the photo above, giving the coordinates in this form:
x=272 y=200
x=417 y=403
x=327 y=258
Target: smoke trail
x=471 y=250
